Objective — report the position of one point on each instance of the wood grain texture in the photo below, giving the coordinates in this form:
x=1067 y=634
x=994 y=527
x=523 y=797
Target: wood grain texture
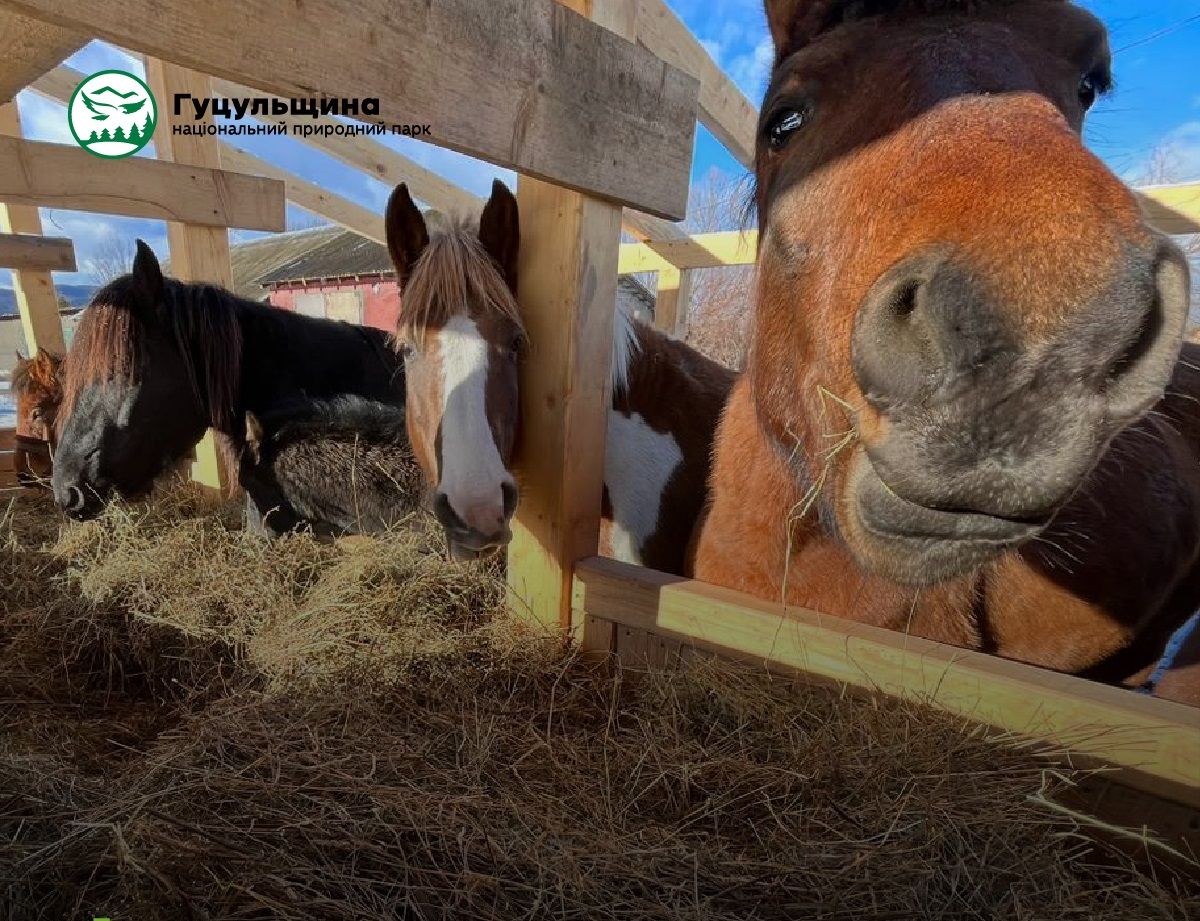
x=308 y=195
x=723 y=108
x=59 y=83
x=198 y=253
x=527 y=84
x=702 y=251
x=43 y=254
x=567 y=291
x=29 y=48
x=1154 y=745
x=37 y=299
x=57 y=176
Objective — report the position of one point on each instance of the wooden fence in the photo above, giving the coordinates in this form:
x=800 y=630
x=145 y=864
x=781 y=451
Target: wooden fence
x=513 y=99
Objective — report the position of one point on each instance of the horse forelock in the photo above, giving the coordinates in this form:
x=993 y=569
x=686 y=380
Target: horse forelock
x=454 y=275
x=202 y=323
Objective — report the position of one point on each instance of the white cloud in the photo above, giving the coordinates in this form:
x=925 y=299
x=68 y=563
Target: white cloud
x=750 y=71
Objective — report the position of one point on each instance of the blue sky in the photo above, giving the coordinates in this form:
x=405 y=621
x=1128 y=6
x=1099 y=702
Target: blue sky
x=1156 y=106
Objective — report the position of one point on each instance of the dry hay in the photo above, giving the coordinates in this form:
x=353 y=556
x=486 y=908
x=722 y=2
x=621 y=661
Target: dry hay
x=354 y=730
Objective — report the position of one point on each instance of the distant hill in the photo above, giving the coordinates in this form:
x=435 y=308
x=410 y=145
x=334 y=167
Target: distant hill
x=75 y=295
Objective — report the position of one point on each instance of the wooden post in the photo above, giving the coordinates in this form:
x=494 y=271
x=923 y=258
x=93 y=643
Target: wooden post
x=37 y=301
x=197 y=253
x=671 y=301
x=567 y=289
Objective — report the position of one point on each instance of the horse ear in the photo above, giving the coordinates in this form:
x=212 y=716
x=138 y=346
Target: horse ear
x=795 y=23
x=147 y=277
x=254 y=436
x=500 y=231
x=407 y=235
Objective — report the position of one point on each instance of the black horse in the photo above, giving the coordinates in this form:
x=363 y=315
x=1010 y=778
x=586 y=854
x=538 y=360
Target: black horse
x=156 y=361
x=340 y=466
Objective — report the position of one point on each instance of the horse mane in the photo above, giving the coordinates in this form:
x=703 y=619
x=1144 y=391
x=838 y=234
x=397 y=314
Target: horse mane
x=39 y=372
x=336 y=417
x=454 y=271
x=200 y=319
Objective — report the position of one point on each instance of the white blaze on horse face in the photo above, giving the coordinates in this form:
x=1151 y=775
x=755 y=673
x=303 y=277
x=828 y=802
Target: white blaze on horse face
x=638 y=464
x=473 y=473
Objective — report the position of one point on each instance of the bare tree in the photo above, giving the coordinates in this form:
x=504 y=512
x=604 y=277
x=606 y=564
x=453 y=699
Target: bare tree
x=112 y=257
x=722 y=298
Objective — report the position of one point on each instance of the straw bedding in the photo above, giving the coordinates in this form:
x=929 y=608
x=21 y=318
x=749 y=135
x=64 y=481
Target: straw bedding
x=197 y=724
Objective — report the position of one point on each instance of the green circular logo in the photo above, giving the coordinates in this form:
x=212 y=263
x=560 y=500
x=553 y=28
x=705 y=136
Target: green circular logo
x=112 y=114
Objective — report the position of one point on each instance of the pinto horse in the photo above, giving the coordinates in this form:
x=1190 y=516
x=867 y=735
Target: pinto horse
x=953 y=419
x=461 y=335
x=37 y=383
x=157 y=361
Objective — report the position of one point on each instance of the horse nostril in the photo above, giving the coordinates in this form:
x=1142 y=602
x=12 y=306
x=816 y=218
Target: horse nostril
x=75 y=499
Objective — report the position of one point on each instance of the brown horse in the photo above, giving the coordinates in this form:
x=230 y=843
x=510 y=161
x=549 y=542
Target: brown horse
x=962 y=325
x=461 y=334
x=37 y=383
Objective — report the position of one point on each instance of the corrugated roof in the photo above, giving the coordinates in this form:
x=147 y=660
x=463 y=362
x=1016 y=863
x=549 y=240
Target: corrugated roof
x=254 y=258
x=342 y=255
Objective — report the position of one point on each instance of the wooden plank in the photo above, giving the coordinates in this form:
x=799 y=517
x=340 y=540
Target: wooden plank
x=34 y=253
x=527 y=84
x=198 y=253
x=702 y=251
x=1155 y=744
x=723 y=108
x=366 y=155
x=37 y=300
x=8 y=461
x=61 y=176
x=8 y=439
x=29 y=48
x=567 y=290
x=307 y=195
x=1173 y=209
x=671 y=301
x=60 y=83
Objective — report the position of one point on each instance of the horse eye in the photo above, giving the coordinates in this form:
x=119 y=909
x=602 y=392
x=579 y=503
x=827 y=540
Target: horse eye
x=36 y=415
x=514 y=347
x=784 y=124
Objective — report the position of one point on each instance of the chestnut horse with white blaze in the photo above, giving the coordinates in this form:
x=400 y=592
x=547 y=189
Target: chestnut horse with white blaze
x=462 y=337
x=962 y=324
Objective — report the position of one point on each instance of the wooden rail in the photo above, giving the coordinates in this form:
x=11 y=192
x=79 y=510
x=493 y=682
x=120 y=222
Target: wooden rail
x=57 y=176
x=30 y=252
x=547 y=88
x=1152 y=745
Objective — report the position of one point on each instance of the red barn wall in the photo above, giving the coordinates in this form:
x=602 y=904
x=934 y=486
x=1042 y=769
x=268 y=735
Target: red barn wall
x=380 y=297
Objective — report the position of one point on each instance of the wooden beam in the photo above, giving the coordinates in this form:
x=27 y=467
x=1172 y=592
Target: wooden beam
x=60 y=83
x=1154 y=744
x=37 y=300
x=198 y=253
x=671 y=301
x=27 y=252
x=29 y=48
x=567 y=291
x=523 y=83
x=723 y=108
x=702 y=251
x=61 y=176
x=310 y=197
x=1173 y=209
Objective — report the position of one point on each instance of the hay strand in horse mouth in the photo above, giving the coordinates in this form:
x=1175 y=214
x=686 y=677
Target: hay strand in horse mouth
x=353 y=730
